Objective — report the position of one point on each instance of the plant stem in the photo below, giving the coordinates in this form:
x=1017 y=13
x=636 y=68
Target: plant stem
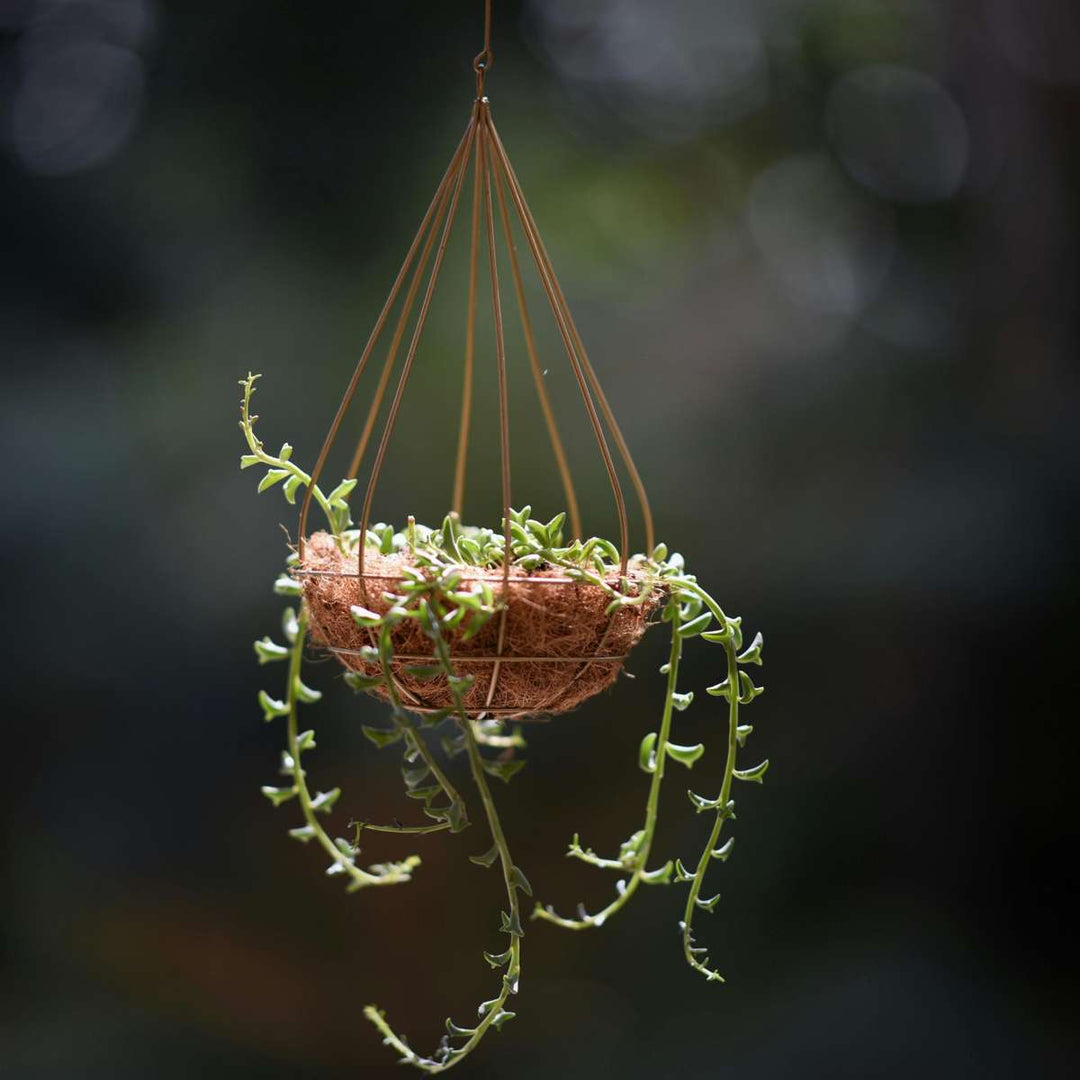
x=412 y=736
x=360 y=878
x=247 y=425
x=513 y=965
x=412 y=830
x=652 y=806
x=722 y=813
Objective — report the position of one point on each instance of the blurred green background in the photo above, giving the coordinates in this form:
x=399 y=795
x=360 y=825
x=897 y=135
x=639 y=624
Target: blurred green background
x=824 y=253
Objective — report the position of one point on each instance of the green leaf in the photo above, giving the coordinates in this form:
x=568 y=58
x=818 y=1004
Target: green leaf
x=290 y=626
x=324 y=800
x=414 y=777
x=629 y=847
x=425 y=793
x=724 y=850
x=511 y=924
x=682 y=702
x=271 y=707
x=449 y=537
x=747 y=690
x=488 y=858
x=271 y=478
x=278 y=795
x=721 y=689
x=486 y=1006
x=458 y=1032
x=501 y=1017
x=289 y=490
x=753 y=651
x=539 y=531
x=285 y=452
x=518 y=879
x=647 y=753
x=347 y=849
x=498 y=960
x=287 y=586
x=695 y=626
x=504 y=770
x=341 y=492
x=305 y=693
x=708 y=905
x=741 y=733
x=452 y=744
x=660 y=876
x=659 y=553
x=456 y=816
x=716 y=637
x=305 y=740
x=381 y=736
x=685 y=755
x=354 y=680
x=364 y=617
x=754 y=775
x=423 y=671
x=701 y=803
x=681 y=873
x=248 y=460
x=304 y=833
x=268 y=651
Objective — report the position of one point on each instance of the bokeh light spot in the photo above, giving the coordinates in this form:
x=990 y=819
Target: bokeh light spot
x=899 y=133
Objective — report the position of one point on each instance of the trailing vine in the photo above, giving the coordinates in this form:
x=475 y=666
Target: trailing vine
x=691 y=611
x=440 y=592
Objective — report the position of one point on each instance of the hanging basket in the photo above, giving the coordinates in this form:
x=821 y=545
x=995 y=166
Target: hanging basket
x=559 y=644
x=554 y=643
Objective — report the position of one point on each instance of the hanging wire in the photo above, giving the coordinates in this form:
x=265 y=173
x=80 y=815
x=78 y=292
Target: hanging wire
x=380 y=322
x=493 y=180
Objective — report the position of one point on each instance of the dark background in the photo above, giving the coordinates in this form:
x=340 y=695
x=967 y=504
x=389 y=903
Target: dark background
x=825 y=255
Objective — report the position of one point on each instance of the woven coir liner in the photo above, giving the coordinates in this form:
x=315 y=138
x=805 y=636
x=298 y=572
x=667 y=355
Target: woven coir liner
x=547 y=619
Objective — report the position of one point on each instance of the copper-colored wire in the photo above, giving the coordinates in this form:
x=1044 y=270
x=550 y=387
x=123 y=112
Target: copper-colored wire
x=421 y=319
x=418 y=658
x=375 y=575
x=376 y=331
x=500 y=364
x=573 y=511
x=492 y=167
x=546 y=273
x=458 y=502
x=598 y=390
x=395 y=343
x=484 y=59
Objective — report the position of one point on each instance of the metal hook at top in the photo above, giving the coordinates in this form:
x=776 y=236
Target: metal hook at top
x=483 y=60
x=482 y=65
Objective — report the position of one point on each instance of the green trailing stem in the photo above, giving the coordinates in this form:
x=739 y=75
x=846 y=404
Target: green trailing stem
x=635 y=852
x=492 y=1013
x=433 y=592
x=342 y=854
x=690 y=610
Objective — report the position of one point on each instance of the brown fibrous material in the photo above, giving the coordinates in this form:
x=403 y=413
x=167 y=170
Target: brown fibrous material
x=559 y=644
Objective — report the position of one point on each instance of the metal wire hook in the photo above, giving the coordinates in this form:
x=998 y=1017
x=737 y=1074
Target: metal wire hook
x=483 y=60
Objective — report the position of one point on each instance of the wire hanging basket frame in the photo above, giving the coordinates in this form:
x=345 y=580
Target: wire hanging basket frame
x=497 y=199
